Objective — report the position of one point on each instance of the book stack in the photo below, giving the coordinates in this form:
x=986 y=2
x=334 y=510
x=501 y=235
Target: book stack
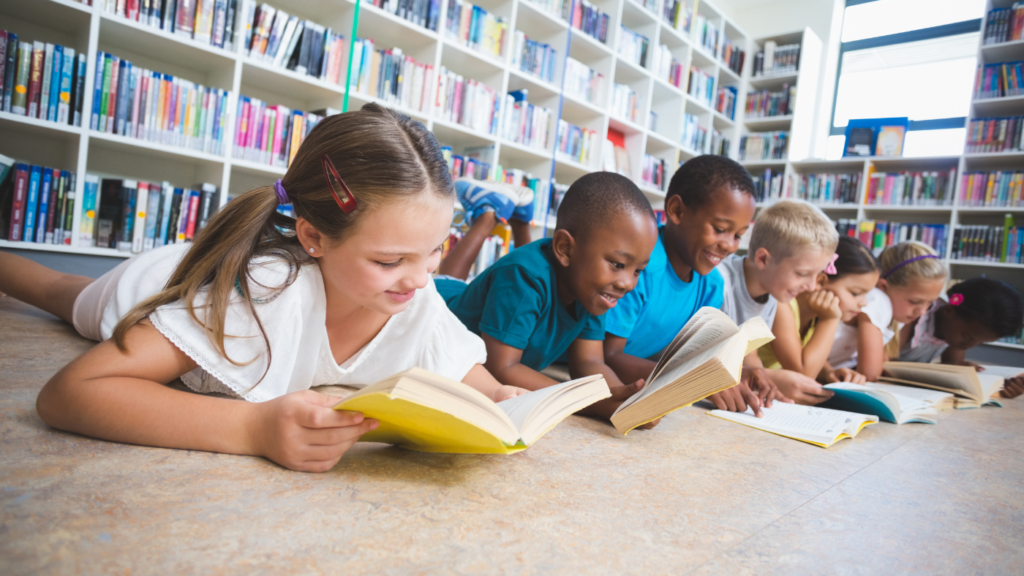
x=767 y=185
x=525 y=123
x=1005 y=24
x=669 y=69
x=879 y=235
x=134 y=216
x=720 y=145
x=732 y=55
x=391 y=76
x=582 y=82
x=677 y=14
x=998 y=80
x=764 y=146
x=653 y=171
x=209 y=22
x=588 y=19
x=577 y=143
x=825 y=188
x=41 y=80
x=765 y=103
x=534 y=57
x=625 y=103
x=725 y=103
x=694 y=135
x=633 y=47
x=1003 y=188
x=466 y=101
x=708 y=36
x=420 y=12
x=775 y=60
x=988 y=243
x=911 y=188
x=476 y=28
x=701 y=86
x=270 y=134
x=37 y=204
x=271 y=35
x=139 y=103
x=994 y=134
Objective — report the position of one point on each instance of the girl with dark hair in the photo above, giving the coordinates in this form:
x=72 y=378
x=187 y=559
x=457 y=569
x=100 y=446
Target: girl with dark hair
x=263 y=306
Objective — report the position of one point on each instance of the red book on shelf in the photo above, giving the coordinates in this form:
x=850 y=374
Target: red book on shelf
x=35 y=79
x=193 y=208
x=617 y=138
x=18 y=202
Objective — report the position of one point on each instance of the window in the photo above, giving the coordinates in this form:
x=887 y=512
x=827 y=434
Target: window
x=913 y=58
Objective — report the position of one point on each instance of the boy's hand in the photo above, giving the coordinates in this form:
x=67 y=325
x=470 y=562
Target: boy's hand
x=736 y=399
x=1012 y=387
x=605 y=408
x=825 y=305
x=846 y=375
x=800 y=388
x=302 y=432
x=504 y=392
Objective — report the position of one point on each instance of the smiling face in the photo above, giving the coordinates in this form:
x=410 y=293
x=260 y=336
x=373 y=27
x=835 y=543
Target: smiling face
x=787 y=277
x=605 y=265
x=852 y=291
x=389 y=255
x=701 y=237
x=911 y=301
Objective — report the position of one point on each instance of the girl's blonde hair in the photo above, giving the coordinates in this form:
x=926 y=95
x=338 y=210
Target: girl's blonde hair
x=381 y=155
x=899 y=268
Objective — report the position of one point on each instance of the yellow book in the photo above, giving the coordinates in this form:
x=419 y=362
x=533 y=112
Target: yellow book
x=705 y=358
x=819 y=426
x=989 y=187
x=420 y=410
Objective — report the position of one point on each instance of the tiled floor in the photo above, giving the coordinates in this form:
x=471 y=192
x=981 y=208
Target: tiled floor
x=695 y=495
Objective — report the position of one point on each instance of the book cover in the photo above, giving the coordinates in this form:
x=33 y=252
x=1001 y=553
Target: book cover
x=890 y=141
x=32 y=203
x=67 y=73
x=19 y=202
x=56 y=70
x=44 y=218
x=193 y=214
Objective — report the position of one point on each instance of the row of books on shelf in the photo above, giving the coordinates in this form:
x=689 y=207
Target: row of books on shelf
x=733 y=56
x=774 y=60
x=578 y=144
x=625 y=103
x=534 y=57
x=725 y=103
x=701 y=86
x=765 y=103
x=720 y=145
x=708 y=36
x=998 y=80
x=273 y=36
x=147 y=105
x=994 y=134
x=271 y=134
x=1004 y=24
x=391 y=76
x=764 y=146
x=880 y=234
x=767 y=185
x=492 y=249
x=37 y=203
x=588 y=19
x=541 y=191
x=989 y=243
x=474 y=162
x=524 y=123
x=929 y=188
x=668 y=69
x=694 y=135
x=420 y=12
x=476 y=28
x=467 y=101
x=633 y=47
x=207 y=22
x=41 y=80
x=677 y=14
x=825 y=188
x=653 y=171
x=582 y=82
x=999 y=188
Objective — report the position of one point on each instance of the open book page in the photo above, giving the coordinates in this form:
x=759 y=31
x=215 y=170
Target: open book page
x=889 y=406
x=519 y=408
x=811 y=424
x=537 y=412
x=961 y=380
x=1001 y=371
x=934 y=398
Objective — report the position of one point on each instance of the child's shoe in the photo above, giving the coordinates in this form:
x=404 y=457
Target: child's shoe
x=477 y=197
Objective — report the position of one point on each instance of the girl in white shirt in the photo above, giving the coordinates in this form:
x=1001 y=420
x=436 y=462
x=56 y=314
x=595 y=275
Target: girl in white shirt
x=262 y=306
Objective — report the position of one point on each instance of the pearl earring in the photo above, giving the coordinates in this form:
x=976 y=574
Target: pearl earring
x=310 y=250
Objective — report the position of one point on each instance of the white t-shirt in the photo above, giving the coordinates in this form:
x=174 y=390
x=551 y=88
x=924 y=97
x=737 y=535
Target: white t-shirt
x=736 y=300
x=844 y=347
x=923 y=345
x=426 y=334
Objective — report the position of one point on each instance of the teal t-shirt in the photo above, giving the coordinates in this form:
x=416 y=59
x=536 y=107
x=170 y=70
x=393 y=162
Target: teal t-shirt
x=516 y=302
x=655 y=311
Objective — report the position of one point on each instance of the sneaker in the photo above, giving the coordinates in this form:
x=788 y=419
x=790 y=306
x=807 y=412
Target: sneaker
x=524 y=213
x=478 y=197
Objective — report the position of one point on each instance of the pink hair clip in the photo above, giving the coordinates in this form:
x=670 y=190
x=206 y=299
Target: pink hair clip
x=831 y=268
x=956 y=299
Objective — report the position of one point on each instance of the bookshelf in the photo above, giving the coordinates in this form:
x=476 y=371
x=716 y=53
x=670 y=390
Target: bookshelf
x=91 y=29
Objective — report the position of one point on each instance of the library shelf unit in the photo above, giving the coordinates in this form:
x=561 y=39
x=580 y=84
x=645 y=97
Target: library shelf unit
x=90 y=29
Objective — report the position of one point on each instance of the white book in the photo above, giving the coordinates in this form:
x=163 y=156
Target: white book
x=812 y=424
x=139 y=228
x=286 y=41
x=889 y=406
x=44 y=90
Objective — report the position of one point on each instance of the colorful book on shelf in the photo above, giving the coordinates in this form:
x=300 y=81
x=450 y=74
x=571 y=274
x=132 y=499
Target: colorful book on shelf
x=589 y=19
x=534 y=57
x=812 y=424
x=476 y=28
x=424 y=13
x=987 y=135
x=972 y=389
x=36 y=79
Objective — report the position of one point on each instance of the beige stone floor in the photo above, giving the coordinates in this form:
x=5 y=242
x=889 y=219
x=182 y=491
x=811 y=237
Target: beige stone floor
x=696 y=495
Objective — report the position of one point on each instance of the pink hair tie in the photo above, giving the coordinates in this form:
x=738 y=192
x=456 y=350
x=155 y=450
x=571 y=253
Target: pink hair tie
x=956 y=299
x=831 y=268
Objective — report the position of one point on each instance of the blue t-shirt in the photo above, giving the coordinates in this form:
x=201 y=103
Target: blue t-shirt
x=652 y=314
x=516 y=302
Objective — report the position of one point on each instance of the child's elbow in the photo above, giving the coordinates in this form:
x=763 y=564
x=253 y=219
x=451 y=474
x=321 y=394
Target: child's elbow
x=48 y=404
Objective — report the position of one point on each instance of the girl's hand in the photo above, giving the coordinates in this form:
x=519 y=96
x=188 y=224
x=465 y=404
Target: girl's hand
x=1012 y=387
x=825 y=305
x=505 y=392
x=301 y=431
x=800 y=388
x=846 y=375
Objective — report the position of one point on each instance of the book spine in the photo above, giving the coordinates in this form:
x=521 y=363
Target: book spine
x=35 y=80
x=45 y=81
x=193 y=213
x=44 y=219
x=32 y=203
x=129 y=192
x=138 y=236
x=18 y=202
x=152 y=217
x=19 y=97
x=64 y=102
x=10 y=72
x=87 y=224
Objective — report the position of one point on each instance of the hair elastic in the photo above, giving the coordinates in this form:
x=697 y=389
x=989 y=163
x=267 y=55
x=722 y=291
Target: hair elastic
x=956 y=299
x=905 y=262
x=282 y=196
x=831 y=268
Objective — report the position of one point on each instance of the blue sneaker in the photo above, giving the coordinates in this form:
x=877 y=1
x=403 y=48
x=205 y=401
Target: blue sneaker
x=524 y=213
x=477 y=197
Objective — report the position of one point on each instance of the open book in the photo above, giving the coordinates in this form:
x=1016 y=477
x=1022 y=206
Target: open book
x=934 y=398
x=887 y=405
x=1004 y=372
x=703 y=359
x=971 y=388
x=811 y=424
x=420 y=410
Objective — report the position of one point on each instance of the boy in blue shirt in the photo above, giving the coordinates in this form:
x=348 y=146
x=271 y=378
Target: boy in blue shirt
x=549 y=298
